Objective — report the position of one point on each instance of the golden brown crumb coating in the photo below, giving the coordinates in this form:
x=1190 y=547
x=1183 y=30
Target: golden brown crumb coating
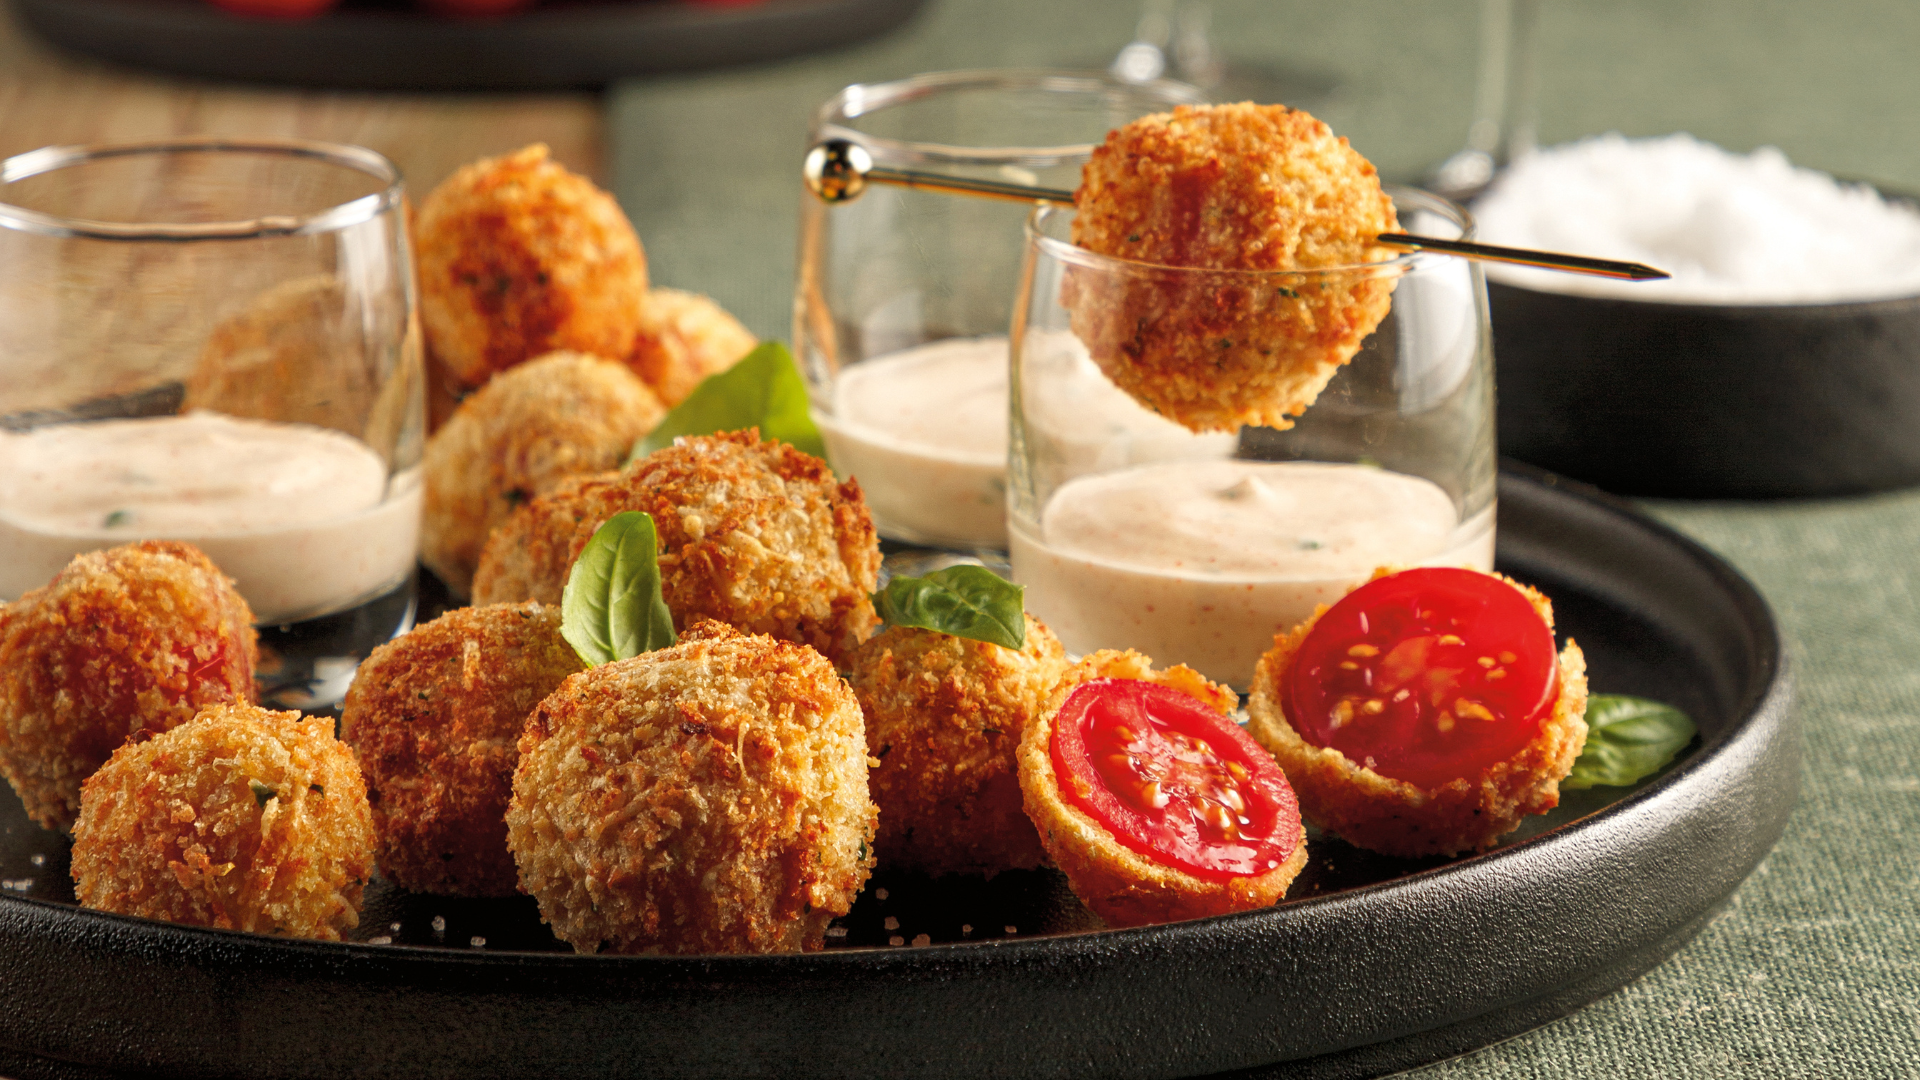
x=517 y=258
x=1234 y=188
x=434 y=717
x=564 y=414
x=1394 y=817
x=685 y=337
x=1121 y=885
x=123 y=643
x=242 y=819
x=754 y=534
x=710 y=797
x=944 y=717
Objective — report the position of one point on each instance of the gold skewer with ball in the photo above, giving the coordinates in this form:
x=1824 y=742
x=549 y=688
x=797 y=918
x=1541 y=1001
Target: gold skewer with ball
x=839 y=170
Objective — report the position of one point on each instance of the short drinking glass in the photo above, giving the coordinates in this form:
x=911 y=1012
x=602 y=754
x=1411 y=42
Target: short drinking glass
x=214 y=341
x=901 y=314
x=1130 y=531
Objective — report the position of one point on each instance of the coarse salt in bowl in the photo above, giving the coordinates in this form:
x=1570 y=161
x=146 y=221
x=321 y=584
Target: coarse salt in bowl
x=1730 y=228
x=1782 y=359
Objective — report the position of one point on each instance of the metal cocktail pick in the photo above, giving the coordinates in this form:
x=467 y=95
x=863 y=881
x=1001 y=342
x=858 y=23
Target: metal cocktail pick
x=839 y=171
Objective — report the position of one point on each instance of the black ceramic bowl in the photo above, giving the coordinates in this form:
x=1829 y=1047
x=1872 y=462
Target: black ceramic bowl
x=1371 y=965
x=1710 y=400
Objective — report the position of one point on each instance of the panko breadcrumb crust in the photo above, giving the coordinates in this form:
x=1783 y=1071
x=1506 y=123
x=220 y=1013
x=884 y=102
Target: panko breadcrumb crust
x=242 y=819
x=710 y=797
x=754 y=534
x=944 y=718
x=564 y=414
x=435 y=717
x=1119 y=884
x=122 y=644
x=518 y=257
x=1395 y=817
x=684 y=337
x=1228 y=188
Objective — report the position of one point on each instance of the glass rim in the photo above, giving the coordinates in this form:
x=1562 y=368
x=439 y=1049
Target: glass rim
x=344 y=215
x=862 y=99
x=1063 y=251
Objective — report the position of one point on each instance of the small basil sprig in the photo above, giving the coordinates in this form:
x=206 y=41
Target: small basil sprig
x=1628 y=740
x=612 y=608
x=965 y=601
x=763 y=390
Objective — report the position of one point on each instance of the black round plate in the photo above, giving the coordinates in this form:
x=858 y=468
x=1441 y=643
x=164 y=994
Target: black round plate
x=1371 y=965
x=388 y=45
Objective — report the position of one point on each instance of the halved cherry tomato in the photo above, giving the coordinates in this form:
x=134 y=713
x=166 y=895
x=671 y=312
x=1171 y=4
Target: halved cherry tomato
x=1174 y=780
x=275 y=9
x=1426 y=675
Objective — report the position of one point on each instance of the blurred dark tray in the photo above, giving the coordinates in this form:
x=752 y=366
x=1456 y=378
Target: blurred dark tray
x=1371 y=965
x=389 y=45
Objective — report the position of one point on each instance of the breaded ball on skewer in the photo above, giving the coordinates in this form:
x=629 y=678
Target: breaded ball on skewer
x=710 y=797
x=519 y=257
x=1152 y=786
x=754 y=534
x=1232 y=188
x=434 y=717
x=241 y=818
x=123 y=643
x=1413 y=819
x=684 y=337
x=562 y=415
x=944 y=717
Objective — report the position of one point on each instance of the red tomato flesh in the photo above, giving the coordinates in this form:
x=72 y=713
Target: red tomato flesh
x=1425 y=676
x=1174 y=780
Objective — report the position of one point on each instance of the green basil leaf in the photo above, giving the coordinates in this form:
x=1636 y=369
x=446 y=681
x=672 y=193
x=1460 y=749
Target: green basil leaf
x=1628 y=740
x=965 y=601
x=763 y=390
x=612 y=608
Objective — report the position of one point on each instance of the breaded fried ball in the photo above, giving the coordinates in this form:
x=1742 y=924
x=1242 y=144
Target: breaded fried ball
x=685 y=337
x=944 y=717
x=1234 y=188
x=710 y=797
x=519 y=257
x=1120 y=882
x=123 y=643
x=564 y=414
x=434 y=717
x=754 y=534
x=283 y=358
x=1395 y=817
x=241 y=818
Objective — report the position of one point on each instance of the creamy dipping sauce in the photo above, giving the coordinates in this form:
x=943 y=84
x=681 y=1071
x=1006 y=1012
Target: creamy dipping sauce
x=304 y=519
x=1202 y=562
x=925 y=432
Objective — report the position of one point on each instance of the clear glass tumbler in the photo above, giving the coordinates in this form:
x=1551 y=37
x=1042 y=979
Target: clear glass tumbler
x=1130 y=531
x=215 y=341
x=902 y=303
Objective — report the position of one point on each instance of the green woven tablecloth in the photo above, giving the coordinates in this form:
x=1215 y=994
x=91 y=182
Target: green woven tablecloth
x=1814 y=969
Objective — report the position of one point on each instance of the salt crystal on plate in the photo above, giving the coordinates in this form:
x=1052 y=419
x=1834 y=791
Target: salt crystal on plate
x=1730 y=228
